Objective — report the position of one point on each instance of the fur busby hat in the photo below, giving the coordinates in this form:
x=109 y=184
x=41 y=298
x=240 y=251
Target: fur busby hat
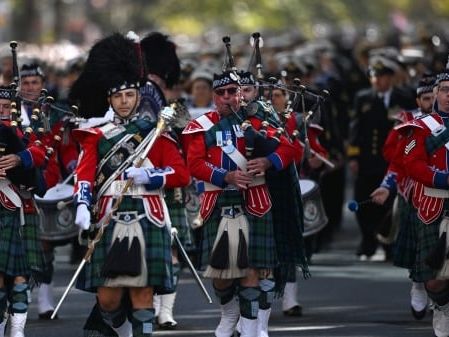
x=112 y=65
x=160 y=57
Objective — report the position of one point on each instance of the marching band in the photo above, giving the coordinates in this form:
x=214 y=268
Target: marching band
x=233 y=182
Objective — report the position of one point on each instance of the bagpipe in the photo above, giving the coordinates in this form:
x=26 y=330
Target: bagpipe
x=10 y=143
x=43 y=112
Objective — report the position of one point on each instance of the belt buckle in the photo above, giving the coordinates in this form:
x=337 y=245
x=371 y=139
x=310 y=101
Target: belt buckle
x=126 y=216
x=231 y=211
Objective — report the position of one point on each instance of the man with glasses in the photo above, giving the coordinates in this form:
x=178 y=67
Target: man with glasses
x=425 y=158
x=238 y=245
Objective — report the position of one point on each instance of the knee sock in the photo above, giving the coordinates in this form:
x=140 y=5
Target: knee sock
x=266 y=293
x=19 y=299
x=142 y=322
x=225 y=295
x=114 y=318
x=249 y=301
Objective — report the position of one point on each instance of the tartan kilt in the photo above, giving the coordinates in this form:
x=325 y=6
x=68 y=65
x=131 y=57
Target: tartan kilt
x=157 y=253
x=178 y=217
x=20 y=249
x=261 y=245
x=426 y=240
x=404 y=248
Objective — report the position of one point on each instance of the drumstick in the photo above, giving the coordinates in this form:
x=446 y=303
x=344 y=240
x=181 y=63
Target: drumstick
x=354 y=205
x=63 y=204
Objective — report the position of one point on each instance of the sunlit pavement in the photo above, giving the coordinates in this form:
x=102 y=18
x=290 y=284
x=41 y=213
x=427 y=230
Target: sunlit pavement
x=344 y=297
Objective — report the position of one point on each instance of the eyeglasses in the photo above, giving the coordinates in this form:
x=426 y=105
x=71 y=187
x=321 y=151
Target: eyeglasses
x=230 y=91
x=444 y=89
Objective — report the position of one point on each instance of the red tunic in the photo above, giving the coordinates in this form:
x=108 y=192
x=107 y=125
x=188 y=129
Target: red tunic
x=427 y=169
x=164 y=153
x=211 y=164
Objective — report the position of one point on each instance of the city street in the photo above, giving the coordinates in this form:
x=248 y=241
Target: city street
x=343 y=298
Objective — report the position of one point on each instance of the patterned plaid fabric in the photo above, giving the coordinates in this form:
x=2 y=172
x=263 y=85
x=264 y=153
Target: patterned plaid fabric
x=261 y=246
x=20 y=250
x=404 y=248
x=33 y=245
x=288 y=217
x=178 y=217
x=158 y=253
x=426 y=240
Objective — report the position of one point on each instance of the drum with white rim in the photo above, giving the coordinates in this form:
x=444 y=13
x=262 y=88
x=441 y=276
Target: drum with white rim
x=315 y=218
x=57 y=213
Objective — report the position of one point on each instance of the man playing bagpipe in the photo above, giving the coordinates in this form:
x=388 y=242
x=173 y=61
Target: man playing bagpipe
x=238 y=244
x=132 y=261
x=21 y=255
x=425 y=156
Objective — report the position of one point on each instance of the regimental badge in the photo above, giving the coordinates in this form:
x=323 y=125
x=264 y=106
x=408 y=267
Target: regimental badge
x=116 y=160
x=129 y=146
x=100 y=179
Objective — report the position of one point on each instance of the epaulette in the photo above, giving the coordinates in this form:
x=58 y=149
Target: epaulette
x=409 y=124
x=200 y=124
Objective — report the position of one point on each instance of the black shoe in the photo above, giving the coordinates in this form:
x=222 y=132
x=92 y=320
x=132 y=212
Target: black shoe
x=168 y=326
x=47 y=315
x=419 y=315
x=295 y=311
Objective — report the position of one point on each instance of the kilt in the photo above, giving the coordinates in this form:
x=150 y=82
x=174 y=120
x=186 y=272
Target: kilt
x=157 y=253
x=20 y=249
x=426 y=240
x=178 y=217
x=261 y=245
x=404 y=248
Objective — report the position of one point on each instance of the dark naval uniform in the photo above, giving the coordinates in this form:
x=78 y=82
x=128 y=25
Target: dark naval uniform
x=369 y=129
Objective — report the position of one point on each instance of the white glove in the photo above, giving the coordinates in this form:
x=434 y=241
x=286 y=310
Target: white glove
x=173 y=232
x=82 y=219
x=139 y=175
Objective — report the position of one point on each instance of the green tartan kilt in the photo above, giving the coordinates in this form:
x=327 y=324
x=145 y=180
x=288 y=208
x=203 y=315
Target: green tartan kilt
x=404 y=248
x=261 y=245
x=157 y=253
x=426 y=240
x=20 y=248
x=178 y=217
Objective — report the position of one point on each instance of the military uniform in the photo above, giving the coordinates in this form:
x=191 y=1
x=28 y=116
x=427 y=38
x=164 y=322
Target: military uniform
x=20 y=251
x=369 y=129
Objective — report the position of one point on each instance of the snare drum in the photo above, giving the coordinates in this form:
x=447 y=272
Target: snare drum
x=315 y=218
x=57 y=214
